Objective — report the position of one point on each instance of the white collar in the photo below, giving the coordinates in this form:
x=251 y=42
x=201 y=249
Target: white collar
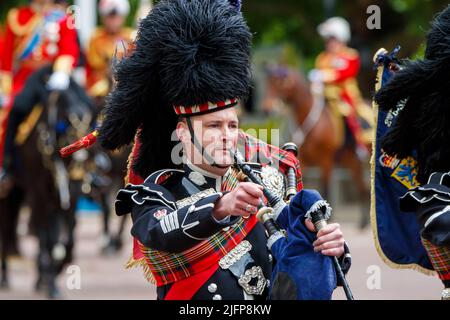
x=202 y=177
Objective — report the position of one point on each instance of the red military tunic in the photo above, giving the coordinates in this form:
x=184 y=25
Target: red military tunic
x=32 y=40
x=341 y=88
x=102 y=48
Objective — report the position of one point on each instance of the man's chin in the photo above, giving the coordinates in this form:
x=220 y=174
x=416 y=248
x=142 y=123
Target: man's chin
x=223 y=162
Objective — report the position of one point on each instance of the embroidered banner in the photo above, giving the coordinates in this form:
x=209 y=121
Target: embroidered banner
x=396 y=233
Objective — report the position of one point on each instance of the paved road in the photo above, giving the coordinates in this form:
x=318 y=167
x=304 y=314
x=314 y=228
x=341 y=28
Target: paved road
x=105 y=277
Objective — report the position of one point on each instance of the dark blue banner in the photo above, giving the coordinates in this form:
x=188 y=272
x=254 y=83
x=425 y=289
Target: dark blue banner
x=396 y=233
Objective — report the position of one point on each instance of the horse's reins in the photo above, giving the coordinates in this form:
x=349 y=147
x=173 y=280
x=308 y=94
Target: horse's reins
x=61 y=175
x=313 y=115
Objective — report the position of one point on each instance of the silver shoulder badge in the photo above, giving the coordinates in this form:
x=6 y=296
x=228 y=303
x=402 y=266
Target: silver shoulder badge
x=194 y=198
x=197 y=178
x=273 y=180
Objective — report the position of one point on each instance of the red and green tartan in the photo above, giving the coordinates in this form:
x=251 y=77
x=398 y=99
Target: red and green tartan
x=163 y=268
x=440 y=259
x=282 y=160
x=171 y=267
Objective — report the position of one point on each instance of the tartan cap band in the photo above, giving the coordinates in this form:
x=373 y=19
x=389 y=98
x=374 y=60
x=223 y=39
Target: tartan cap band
x=205 y=107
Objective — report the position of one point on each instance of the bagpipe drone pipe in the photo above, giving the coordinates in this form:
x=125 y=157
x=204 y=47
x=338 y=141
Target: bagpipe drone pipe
x=299 y=273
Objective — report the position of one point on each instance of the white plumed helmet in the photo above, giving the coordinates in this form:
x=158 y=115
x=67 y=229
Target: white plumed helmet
x=335 y=27
x=121 y=7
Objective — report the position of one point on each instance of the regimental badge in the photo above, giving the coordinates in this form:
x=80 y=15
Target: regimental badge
x=161 y=213
x=404 y=170
x=273 y=180
x=388 y=161
x=406 y=173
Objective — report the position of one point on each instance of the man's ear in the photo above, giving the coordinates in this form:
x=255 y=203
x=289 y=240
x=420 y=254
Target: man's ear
x=182 y=131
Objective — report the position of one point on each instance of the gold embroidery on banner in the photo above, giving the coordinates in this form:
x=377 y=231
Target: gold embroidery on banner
x=406 y=173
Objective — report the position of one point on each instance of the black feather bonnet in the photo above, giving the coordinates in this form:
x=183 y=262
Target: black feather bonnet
x=187 y=53
x=422 y=128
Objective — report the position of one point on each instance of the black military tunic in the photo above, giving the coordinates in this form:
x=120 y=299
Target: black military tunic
x=160 y=223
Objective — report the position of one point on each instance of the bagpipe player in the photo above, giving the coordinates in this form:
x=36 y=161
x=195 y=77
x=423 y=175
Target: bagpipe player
x=194 y=228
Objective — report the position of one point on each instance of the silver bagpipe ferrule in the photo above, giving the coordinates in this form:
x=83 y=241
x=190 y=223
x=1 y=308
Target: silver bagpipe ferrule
x=266 y=214
x=319 y=213
x=291 y=176
x=274 y=200
x=445 y=294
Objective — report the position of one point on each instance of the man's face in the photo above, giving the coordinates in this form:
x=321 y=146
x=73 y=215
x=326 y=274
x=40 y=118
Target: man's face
x=217 y=132
x=113 y=23
x=333 y=45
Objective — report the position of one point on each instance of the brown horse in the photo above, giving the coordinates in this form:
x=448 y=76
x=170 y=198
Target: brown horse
x=317 y=134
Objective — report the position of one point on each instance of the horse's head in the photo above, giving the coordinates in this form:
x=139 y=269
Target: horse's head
x=286 y=85
x=57 y=117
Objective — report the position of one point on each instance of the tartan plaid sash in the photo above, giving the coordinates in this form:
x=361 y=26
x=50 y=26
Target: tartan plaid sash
x=171 y=267
x=256 y=150
x=164 y=268
x=440 y=258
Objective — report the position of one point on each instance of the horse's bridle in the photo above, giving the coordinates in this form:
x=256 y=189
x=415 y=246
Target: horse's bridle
x=313 y=115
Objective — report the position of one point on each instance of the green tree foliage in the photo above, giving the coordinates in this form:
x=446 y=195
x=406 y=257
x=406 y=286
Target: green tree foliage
x=5 y=5
x=294 y=23
x=275 y=21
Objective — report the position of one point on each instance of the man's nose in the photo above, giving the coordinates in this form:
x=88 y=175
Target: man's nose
x=226 y=133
